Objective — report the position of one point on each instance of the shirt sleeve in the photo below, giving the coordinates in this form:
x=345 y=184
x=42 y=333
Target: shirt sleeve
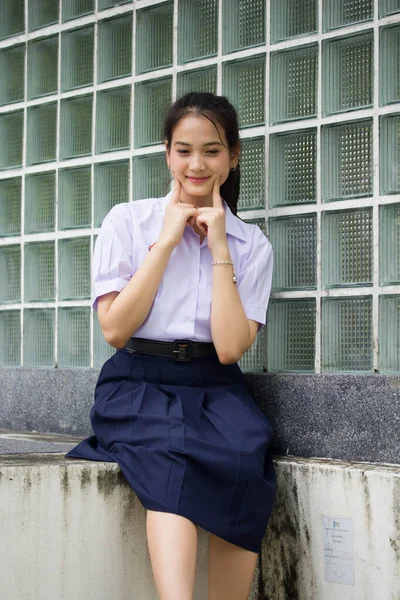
x=255 y=278
x=112 y=265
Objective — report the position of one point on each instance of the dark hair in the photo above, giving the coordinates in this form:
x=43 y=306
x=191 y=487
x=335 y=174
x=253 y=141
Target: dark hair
x=219 y=110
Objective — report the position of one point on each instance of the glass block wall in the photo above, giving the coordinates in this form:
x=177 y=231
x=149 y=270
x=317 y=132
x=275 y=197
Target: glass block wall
x=84 y=88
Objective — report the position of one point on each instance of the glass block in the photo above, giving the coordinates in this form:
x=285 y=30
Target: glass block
x=347 y=160
x=76 y=8
x=77 y=49
x=150 y=176
x=389 y=65
x=252 y=174
x=11 y=132
x=199 y=80
x=76 y=127
x=347 y=343
x=39 y=337
x=103 y=4
x=293 y=84
x=292 y=168
x=74 y=336
x=114 y=48
x=75 y=198
x=41 y=133
x=111 y=186
x=254 y=359
x=42 y=67
x=389 y=334
x=152 y=101
x=292 y=18
x=389 y=244
x=154 y=33
x=39 y=272
x=243 y=24
x=12 y=73
x=101 y=350
x=113 y=123
x=243 y=81
x=10 y=335
x=40 y=202
x=388 y=7
x=347 y=248
x=10 y=273
x=197 y=29
x=12 y=20
x=390 y=154
x=74 y=268
x=42 y=13
x=291 y=335
x=10 y=206
x=339 y=13
x=260 y=222
x=294 y=240
x=347 y=73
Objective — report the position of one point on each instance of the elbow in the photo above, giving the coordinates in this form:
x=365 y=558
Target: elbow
x=113 y=339
x=228 y=358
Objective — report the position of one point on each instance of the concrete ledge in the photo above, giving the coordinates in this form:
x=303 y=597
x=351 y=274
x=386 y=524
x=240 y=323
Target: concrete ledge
x=347 y=417
x=75 y=529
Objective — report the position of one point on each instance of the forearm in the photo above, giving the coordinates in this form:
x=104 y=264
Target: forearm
x=229 y=325
x=132 y=305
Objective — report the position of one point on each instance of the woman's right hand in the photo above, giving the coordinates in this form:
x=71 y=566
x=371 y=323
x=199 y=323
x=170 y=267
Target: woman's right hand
x=177 y=216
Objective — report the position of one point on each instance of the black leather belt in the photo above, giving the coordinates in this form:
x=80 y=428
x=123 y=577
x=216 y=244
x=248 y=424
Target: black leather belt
x=181 y=350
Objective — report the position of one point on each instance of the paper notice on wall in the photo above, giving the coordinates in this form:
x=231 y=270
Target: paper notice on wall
x=337 y=537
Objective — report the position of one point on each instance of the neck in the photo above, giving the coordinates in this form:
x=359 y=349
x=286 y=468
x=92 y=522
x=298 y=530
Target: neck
x=200 y=201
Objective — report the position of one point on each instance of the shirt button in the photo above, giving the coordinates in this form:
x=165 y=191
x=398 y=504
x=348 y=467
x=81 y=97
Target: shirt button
x=192 y=285
x=188 y=319
x=194 y=252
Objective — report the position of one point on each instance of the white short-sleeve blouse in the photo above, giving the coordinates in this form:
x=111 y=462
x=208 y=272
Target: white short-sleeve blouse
x=182 y=305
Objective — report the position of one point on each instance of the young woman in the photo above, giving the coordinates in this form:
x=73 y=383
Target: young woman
x=181 y=286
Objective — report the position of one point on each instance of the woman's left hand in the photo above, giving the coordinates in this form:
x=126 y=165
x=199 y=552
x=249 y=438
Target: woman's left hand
x=211 y=221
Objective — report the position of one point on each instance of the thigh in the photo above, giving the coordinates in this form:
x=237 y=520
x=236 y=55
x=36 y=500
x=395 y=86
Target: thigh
x=172 y=542
x=230 y=570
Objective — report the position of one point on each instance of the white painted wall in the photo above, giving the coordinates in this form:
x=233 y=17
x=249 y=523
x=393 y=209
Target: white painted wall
x=74 y=529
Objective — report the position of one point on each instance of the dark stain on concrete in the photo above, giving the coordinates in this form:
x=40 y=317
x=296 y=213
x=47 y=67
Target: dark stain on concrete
x=367 y=497
x=308 y=537
x=108 y=480
x=85 y=476
x=27 y=482
x=281 y=546
x=65 y=481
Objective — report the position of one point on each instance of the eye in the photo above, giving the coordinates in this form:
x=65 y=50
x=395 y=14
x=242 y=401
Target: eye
x=183 y=151
x=212 y=151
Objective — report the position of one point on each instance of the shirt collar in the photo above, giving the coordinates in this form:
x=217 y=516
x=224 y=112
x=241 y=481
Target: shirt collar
x=232 y=223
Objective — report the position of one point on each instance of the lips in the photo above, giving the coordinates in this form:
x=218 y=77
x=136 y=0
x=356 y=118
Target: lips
x=197 y=179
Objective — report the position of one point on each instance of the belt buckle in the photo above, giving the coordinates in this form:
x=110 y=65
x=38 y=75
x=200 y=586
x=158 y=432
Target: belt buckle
x=183 y=350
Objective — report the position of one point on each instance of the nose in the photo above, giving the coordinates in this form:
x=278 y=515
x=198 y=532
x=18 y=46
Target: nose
x=196 y=162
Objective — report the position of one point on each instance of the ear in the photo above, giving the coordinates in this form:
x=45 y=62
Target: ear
x=235 y=155
x=167 y=152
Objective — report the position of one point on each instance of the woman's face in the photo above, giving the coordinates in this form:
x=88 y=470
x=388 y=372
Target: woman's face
x=198 y=155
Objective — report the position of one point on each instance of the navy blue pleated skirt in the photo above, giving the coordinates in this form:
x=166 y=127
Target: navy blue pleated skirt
x=189 y=439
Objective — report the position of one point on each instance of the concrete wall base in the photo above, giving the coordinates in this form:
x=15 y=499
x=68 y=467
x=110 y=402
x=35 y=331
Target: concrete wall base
x=74 y=529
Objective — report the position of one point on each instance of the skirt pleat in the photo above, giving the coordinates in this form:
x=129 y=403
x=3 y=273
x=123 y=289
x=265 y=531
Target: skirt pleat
x=189 y=440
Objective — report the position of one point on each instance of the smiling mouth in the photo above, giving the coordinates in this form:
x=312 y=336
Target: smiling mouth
x=198 y=179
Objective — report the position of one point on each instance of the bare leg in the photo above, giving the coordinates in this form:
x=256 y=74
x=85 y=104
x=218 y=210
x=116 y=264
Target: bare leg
x=230 y=570
x=172 y=542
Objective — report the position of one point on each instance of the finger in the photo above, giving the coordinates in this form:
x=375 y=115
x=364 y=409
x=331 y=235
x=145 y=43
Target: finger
x=201 y=223
x=191 y=221
x=176 y=192
x=217 y=200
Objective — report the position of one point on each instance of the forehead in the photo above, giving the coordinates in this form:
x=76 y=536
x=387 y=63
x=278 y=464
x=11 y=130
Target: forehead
x=195 y=128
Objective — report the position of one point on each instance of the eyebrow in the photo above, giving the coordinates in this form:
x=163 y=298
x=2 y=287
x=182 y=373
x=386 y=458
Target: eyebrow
x=207 y=144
